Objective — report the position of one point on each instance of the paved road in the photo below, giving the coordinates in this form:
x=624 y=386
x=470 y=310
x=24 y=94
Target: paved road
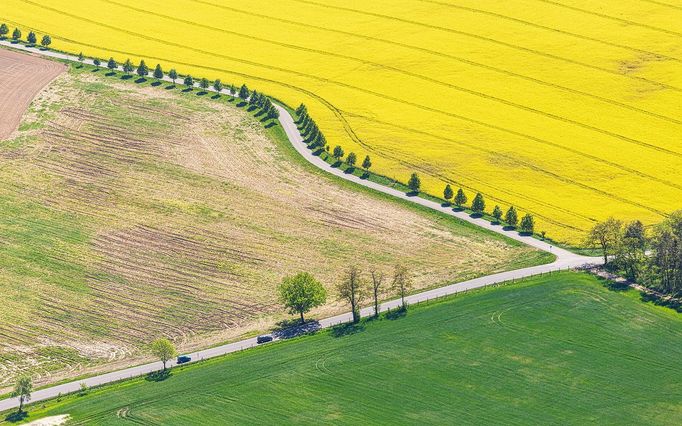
x=564 y=260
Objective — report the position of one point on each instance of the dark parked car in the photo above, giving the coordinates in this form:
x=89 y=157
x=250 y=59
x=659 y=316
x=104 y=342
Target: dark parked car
x=264 y=338
x=183 y=359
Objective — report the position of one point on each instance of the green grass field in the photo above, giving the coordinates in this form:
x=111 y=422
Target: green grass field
x=556 y=349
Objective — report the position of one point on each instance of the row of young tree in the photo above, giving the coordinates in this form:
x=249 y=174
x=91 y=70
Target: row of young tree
x=31 y=37
x=254 y=98
x=302 y=292
x=652 y=257
x=315 y=140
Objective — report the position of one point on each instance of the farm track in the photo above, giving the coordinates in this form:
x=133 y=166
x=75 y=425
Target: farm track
x=145 y=245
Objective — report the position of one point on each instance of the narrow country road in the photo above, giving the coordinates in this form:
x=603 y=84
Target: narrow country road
x=564 y=260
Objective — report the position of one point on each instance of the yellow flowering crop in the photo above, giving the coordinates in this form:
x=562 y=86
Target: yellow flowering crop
x=569 y=109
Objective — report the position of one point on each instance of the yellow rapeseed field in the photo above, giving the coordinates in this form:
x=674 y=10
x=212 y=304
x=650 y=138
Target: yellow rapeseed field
x=569 y=109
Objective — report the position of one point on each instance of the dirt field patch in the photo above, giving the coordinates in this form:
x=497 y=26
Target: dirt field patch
x=21 y=78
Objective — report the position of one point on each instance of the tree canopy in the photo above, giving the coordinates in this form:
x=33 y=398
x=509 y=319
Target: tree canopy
x=163 y=349
x=300 y=293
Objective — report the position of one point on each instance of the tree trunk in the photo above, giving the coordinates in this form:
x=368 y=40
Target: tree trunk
x=21 y=403
x=376 y=306
x=302 y=319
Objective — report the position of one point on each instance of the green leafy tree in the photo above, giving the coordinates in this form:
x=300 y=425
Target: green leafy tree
x=4 y=30
x=273 y=113
x=414 y=183
x=352 y=290
x=158 y=72
x=630 y=252
x=527 y=224
x=244 y=92
x=204 y=83
x=606 y=235
x=111 y=64
x=666 y=258
x=233 y=90
x=301 y=293
x=142 y=69
x=511 y=217
x=22 y=390
x=97 y=62
x=478 y=204
x=16 y=34
x=31 y=38
x=301 y=109
x=460 y=198
x=218 y=86
x=338 y=153
x=163 y=349
x=128 y=66
x=366 y=164
x=448 y=193
x=173 y=75
x=46 y=41
x=497 y=214
x=351 y=160
x=189 y=81
x=254 y=98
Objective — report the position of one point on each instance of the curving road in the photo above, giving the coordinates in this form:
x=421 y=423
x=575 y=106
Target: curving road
x=564 y=260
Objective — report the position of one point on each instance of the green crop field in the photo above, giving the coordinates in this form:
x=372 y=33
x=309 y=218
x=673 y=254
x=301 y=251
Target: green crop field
x=556 y=349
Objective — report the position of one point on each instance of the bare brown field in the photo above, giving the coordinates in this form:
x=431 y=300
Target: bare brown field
x=131 y=212
x=21 y=78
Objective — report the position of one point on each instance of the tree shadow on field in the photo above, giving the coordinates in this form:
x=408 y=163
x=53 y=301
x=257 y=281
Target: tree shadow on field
x=126 y=77
x=232 y=99
x=412 y=193
x=202 y=93
x=216 y=96
x=156 y=84
x=292 y=328
x=509 y=228
x=241 y=104
x=349 y=171
x=476 y=215
x=656 y=300
x=445 y=204
x=96 y=70
x=110 y=74
x=457 y=209
x=170 y=87
x=187 y=90
x=395 y=314
x=16 y=416
x=158 y=376
x=347 y=329
x=525 y=234
x=270 y=124
x=141 y=80
x=251 y=108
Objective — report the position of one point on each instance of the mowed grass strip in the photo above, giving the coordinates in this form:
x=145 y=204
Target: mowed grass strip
x=555 y=349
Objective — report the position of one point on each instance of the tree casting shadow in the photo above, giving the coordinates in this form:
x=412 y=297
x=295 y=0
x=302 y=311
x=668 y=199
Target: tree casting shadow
x=16 y=416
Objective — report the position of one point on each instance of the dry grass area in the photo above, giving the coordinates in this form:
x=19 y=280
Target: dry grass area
x=131 y=212
x=21 y=78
